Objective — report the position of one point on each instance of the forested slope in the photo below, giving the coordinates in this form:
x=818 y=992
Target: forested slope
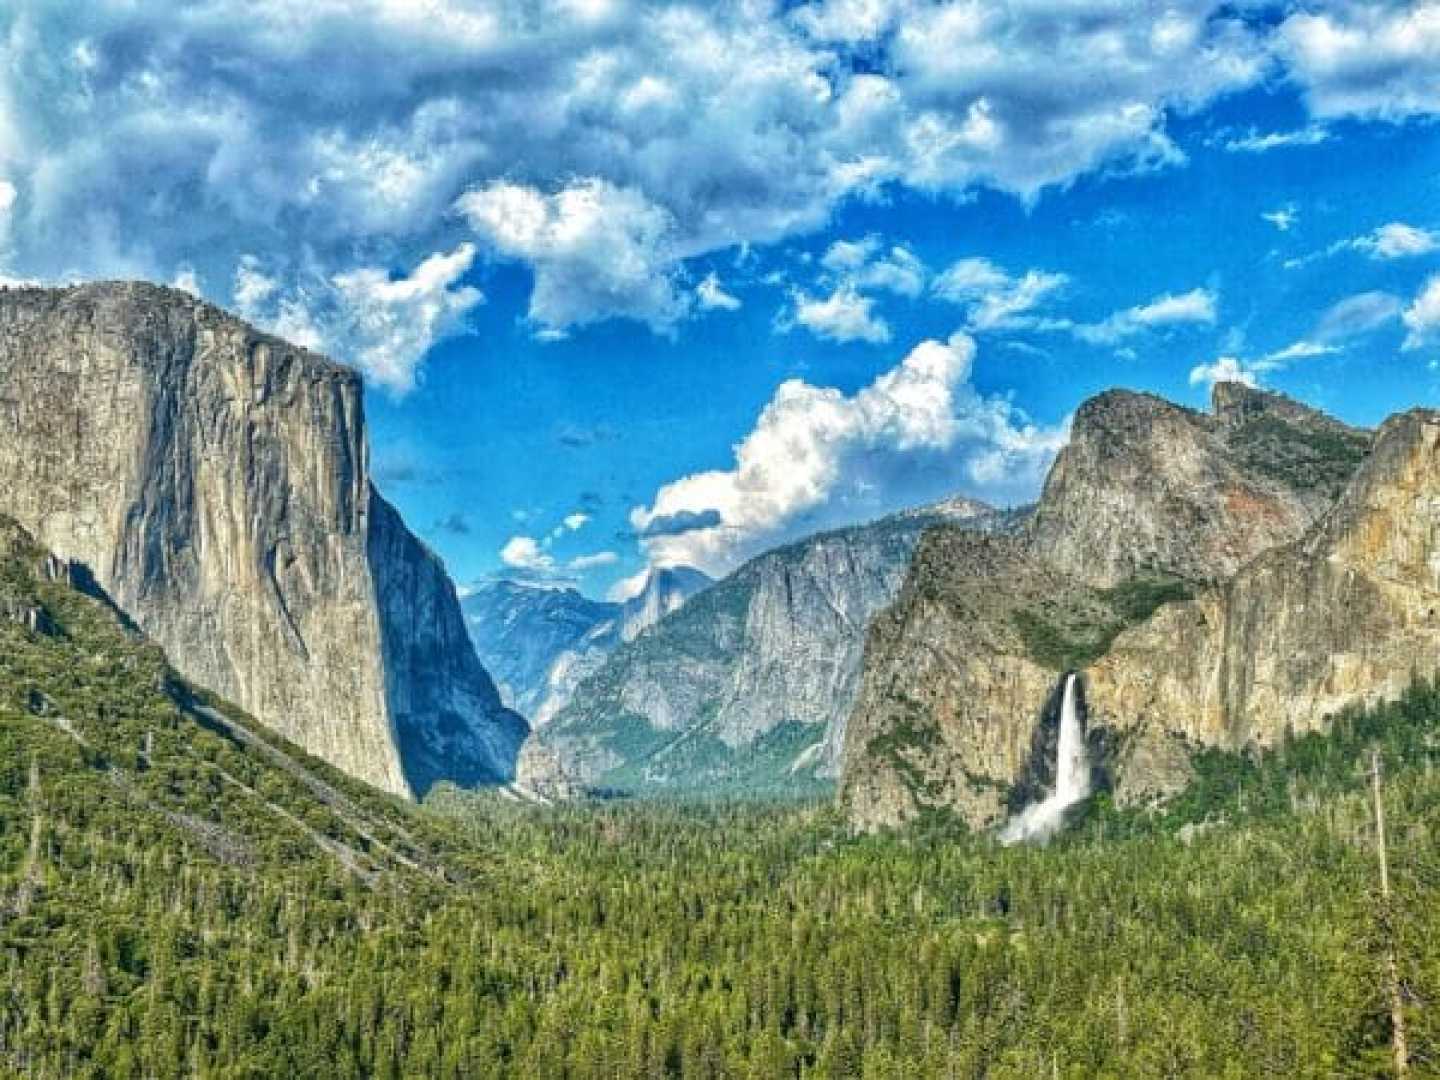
x=183 y=895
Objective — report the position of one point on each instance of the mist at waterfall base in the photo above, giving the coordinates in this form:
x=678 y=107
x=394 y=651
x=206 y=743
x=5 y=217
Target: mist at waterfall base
x=1040 y=820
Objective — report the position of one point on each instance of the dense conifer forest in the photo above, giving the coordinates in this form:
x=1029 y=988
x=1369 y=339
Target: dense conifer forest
x=183 y=895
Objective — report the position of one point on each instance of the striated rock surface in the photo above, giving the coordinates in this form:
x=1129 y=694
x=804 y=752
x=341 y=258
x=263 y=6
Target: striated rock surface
x=1345 y=615
x=1150 y=505
x=1149 y=486
x=749 y=685
x=446 y=712
x=665 y=590
x=214 y=480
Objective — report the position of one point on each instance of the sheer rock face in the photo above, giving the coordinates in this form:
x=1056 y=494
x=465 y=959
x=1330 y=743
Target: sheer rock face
x=773 y=647
x=954 y=688
x=446 y=711
x=215 y=482
x=950 y=695
x=1345 y=615
x=540 y=773
x=1147 y=485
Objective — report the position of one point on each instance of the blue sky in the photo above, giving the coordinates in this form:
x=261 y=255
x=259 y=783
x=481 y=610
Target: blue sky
x=639 y=284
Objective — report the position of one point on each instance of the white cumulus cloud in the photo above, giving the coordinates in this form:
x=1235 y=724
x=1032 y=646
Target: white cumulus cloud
x=845 y=315
x=1380 y=60
x=597 y=250
x=1226 y=369
x=818 y=458
x=525 y=553
x=602 y=145
x=381 y=323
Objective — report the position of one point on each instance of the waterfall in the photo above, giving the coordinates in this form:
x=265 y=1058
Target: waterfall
x=1072 y=778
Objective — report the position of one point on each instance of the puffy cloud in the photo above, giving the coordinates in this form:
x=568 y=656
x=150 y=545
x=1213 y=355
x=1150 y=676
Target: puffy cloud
x=597 y=250
x=148 y=138
x=1170 y=309
x=1225 y=369
x=383 y=324
x=848 y=21
x=8 y=195
x=862 y=264
x=845 y=315
x=576 y=521
x=997 y=301
x=627 y=588
x=849 y=255
x=1380 y=59
x=898 y=271
x=525 y=553
x=818 y=458
x=1422 y=317
x=186 y=280
x=386 y=324
x=712 y=295
x=1030 y=95
x=1398 y=241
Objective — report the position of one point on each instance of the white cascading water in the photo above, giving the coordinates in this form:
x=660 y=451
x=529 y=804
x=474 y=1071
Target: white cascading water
x=1072 y=779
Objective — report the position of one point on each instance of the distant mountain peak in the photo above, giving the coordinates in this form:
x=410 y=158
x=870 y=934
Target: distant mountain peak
x=665 y=590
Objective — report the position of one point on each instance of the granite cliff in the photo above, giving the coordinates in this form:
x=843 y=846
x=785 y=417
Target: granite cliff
x=748 y=686
x=1347 y=614
x=1150 y=505
x=214 y=481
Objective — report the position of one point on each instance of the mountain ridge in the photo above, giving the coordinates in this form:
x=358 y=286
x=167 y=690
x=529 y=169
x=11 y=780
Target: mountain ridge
x=1150 y=504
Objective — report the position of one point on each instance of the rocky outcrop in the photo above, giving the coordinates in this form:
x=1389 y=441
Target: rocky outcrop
x=1148 y=486
x=215 y=482
x=1150 y=505
x=1346 y=615
x=541 y=776
x=749 y=685
x=445 y=709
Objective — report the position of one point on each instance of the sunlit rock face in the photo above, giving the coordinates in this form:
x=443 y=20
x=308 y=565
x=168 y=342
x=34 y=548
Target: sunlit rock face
x=1345 y=615
x=1148 y=485
x=1213 y=517
x=215 y=481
